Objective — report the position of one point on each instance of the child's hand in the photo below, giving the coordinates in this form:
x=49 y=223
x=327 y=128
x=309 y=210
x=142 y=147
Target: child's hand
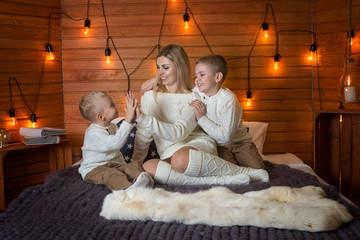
x=148 y=85
x=130 y=107
x=200 y=109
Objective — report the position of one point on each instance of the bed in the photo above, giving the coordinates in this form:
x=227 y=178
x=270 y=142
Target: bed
x=65 y=207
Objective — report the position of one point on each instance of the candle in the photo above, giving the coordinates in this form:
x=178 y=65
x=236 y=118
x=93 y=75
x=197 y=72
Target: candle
x=349 y=93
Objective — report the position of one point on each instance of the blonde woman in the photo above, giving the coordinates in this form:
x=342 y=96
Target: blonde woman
x=187 y=154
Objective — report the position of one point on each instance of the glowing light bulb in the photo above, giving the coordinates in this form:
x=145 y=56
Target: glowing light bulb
x=186 y=20
x=265 y=28
x=313 y=48
x=266 y=33
x=51 y=56
x=340 y=118
x=107 y=55
x=276 y=63
x=86 y=25
x=311 y=56
x=33 y=120
x=249 y=102
x=186 y=25
x=13 y=121
x=50 y=50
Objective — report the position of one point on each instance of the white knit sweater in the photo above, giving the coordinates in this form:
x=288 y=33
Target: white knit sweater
x=222 y=121
x=102 y=145
x=170 y=121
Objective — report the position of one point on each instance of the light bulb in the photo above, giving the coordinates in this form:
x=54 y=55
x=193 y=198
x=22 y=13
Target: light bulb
x=186 y=20
x=313 y=48
x=13 y=121
x=12 y=116
x=86 y=25
x=51 y=56
x=311 y=56
x=265 y=28
x=276 y=59
x=107 y=55
x=50 y=50
x=266 y=33
x=249 y=102
x=186 y=25
x=33 y=120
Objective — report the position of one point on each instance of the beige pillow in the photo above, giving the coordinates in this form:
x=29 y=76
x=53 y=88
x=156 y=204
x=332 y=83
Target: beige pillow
x=257 y=131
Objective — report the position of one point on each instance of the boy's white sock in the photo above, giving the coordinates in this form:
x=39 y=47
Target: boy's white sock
x=205 y=164
x=143 y=180
x=166 y=175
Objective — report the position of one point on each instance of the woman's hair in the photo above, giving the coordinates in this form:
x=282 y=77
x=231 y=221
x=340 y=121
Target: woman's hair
x=92 y=104
x=177 y=55
x=217 y=63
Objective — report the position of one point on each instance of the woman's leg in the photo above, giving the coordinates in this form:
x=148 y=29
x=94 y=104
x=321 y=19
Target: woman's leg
x=164 y=174
x=196 y=163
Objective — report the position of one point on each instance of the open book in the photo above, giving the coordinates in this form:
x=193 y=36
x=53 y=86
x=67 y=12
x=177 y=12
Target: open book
x=41 y=132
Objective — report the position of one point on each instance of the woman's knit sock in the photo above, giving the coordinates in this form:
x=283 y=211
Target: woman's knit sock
x=166 y=175
x=203 y=164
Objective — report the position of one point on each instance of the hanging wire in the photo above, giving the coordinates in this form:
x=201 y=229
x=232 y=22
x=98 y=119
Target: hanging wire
x=21 y=93
x=117 y=52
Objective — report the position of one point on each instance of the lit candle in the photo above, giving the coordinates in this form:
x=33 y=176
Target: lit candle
x=349 y=91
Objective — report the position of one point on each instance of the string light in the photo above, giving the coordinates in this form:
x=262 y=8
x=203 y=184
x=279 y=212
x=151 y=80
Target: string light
x=312 y=50
x=33 y=120
x=107 y=55
x=12 y=116
x=50 y=51
x=248 y=96
x=265 y=27
x=276 y=59
x=352 y=35
x=186 y=19
x=87 y=25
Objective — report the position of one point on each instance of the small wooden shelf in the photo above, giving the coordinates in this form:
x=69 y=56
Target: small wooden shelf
x=23 y=162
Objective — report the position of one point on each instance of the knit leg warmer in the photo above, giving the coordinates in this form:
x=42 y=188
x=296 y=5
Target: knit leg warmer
x=166 y=175
x=203 y=164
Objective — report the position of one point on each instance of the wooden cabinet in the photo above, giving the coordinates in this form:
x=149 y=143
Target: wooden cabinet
x=337 y=150
x=22 y=166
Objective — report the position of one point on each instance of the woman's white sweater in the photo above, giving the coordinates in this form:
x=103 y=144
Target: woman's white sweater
x=170 y=121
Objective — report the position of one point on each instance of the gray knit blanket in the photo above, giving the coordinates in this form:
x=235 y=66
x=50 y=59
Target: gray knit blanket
x=65 y=207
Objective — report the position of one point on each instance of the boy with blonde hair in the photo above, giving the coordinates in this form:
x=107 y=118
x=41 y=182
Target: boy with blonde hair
x=102 y=161
x=219 y=113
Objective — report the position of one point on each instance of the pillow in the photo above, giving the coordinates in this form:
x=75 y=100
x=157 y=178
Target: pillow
x=257 y=131
x=128 y=149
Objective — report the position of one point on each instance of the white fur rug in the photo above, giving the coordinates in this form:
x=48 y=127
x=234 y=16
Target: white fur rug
x=304 y=208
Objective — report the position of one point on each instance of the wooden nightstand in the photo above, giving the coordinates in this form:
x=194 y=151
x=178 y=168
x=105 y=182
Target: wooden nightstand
x=29 y=165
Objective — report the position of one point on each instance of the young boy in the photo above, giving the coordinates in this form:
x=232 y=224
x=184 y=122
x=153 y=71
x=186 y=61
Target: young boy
x=103 y=162
x=219 y=114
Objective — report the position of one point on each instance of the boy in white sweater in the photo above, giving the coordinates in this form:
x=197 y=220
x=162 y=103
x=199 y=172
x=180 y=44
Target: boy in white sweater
x=102 y=161
x=219 y=114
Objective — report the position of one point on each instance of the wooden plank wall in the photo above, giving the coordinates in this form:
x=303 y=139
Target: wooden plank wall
x=331 y=24
x=282 y=97
x=23 y=37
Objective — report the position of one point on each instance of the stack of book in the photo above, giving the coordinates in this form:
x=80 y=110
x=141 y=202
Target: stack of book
x=43 y=135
